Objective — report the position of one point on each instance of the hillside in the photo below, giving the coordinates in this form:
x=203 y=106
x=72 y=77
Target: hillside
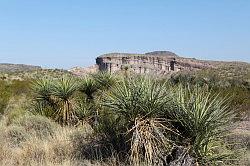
x=80 y=71
x=9 y=68
x=23 y=72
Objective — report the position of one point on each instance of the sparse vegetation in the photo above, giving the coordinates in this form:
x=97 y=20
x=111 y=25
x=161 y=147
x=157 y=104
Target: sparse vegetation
x=106 y=119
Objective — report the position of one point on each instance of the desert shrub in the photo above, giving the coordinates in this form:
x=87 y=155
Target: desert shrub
x=10 y=89
x=63 y=91
x=201 y=118
x=86 y=110
x=105 y=80
x=20 y=87
x=86 y=102
x=16 y=108
x=112 y=128
x=139 y=103
x=5 y=95
x=148 y=119
x=20 y=146
x=87 y=146
x=54 y=150
x=140 y=118
x=68 y=101
x=88 y=86
x=218 y=81
x=56 y=98
x=42 y=108
x=12 y=136
x=240 y=99
x=40 y=126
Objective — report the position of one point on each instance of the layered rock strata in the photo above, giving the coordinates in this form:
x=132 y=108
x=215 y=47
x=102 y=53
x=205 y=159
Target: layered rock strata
x=158 y=62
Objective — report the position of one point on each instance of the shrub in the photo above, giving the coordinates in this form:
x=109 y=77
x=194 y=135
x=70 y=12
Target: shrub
x=201 y=118
x=40 y=126
x=154 y=118
x=12 y=136
x=139 y=103
x=5 y=95
x=56 y=98
x=63 y=91
x=88 y=86
x=105 y=80
x=85 y=146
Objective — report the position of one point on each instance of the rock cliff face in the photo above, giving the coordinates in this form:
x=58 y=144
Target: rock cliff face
x=157 y=62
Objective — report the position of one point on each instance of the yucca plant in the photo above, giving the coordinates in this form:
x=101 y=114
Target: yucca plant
x=88 y=106
x=88 y=86
x=85 y=110
x=43 y=90
x=105 y=80
x=137 y=96
x=63 y=90
x=54 y=98
x=140 y=102
x=44 y=103
x=41 y=108
x=202 y=118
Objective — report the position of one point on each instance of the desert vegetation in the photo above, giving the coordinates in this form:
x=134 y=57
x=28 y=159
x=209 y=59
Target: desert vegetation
x=122 y=119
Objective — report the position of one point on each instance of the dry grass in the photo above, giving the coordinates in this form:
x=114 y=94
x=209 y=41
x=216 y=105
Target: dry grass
x=20 y=146
x=149 y=142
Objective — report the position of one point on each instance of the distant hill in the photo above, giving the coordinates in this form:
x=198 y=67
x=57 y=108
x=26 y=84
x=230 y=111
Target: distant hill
x=22 y=72
x=10 y=68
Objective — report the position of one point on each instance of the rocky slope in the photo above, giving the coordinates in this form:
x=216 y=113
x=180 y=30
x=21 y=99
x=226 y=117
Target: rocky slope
x=7 y=67
x=80 y=71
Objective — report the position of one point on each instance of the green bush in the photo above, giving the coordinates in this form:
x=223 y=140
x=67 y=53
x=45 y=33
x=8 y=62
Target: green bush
x=151 y=118
x=137 y=104
x=5 y=95
x=12 y=89
x=202 y=119
x=56 y=97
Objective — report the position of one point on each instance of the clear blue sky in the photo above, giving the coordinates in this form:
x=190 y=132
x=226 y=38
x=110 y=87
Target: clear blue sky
x=67 y=33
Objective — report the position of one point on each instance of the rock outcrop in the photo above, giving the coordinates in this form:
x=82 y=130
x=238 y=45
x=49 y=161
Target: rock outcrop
x=80 y=71
x=157 y=62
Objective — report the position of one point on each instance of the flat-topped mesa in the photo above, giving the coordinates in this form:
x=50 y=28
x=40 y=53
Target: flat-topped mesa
x=157 y=62
x=161 y=53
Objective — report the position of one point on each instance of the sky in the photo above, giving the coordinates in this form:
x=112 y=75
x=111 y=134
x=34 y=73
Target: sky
x=69 y=33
